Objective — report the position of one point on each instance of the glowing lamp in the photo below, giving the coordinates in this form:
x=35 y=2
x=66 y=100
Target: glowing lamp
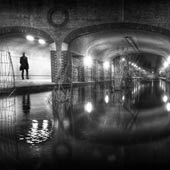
x=106 y=65
x=30 y=38
x=134 y=65
x=165 y=64
x=41 y=41
x=88 y=61
x=123 y=59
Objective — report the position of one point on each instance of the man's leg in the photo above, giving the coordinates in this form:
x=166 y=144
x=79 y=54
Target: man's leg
x=27 y=74
x=22 y=74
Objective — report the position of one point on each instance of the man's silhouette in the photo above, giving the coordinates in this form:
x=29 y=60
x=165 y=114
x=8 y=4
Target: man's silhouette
x=24 y=66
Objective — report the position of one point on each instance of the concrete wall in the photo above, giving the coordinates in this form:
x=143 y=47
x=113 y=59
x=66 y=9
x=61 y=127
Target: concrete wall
x=38 y=56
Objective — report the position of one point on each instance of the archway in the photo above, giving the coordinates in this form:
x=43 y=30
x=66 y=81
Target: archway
x=106 y=41
x=13 y=39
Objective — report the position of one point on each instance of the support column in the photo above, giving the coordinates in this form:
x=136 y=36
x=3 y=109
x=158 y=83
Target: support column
x=54 y=65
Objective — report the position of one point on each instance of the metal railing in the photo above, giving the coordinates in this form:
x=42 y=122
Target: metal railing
x=7 y=76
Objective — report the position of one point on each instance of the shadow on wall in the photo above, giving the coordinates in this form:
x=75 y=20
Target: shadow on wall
x=38 y=57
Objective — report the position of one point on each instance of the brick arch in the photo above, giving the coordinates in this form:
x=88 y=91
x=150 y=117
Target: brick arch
x=66 y=55
x=20 y=30
x=111 y=26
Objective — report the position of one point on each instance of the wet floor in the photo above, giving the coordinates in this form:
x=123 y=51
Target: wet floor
x=95 y=127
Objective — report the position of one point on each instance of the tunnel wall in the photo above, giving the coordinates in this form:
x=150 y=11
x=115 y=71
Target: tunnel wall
x=79 y=14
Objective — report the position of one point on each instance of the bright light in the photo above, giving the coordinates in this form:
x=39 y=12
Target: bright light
x=106 y=99
x=123 y=59
x=35 y=124
x=165 y=98
x=88 y=107
x=45 y=124
x=166 y=64
x=88 y=61
x=135 y=65
x=168 y=107
x=41 y=41
x=30 y=38
x=123 y=98
x=106 y=65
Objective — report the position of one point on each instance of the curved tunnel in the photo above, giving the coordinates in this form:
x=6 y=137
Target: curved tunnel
x=145 y=45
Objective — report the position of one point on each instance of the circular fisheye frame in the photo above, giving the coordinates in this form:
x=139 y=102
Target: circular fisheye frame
x=58 y=16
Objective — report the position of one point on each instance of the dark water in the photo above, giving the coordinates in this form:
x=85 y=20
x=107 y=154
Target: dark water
x=98 y=127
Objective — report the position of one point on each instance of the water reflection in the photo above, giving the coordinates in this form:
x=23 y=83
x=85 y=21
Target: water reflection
x=97 y=124
x=7 y=115
x=26 y=104
x=36 y=131
x=165 y=98
x=88 y=107
x=8 y=142
x=131 y=109
x=168 y=107
x=106 y=99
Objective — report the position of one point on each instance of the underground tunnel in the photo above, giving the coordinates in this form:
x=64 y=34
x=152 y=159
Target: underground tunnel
x=146 y=52
x=98 y=92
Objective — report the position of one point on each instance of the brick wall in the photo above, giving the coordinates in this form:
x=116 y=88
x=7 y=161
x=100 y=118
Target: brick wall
x=54 y=66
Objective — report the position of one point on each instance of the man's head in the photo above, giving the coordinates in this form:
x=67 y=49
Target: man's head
x=23 y=53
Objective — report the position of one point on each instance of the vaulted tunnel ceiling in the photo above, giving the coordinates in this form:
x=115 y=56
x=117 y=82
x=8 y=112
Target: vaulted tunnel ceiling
x=147 y=48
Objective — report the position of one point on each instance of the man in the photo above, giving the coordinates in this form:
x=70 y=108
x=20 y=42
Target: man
x=24 y=66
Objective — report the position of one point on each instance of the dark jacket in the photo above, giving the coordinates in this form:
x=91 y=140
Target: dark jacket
x=24 y=63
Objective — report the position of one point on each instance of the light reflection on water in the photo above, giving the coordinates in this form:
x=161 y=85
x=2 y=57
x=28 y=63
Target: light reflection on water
x=96 y=116
x=38 y=131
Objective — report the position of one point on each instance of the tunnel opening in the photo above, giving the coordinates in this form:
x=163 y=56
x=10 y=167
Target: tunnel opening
x=37 y=46
x=144 y=45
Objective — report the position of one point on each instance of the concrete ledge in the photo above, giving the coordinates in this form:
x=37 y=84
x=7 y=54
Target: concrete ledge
x=32 y=86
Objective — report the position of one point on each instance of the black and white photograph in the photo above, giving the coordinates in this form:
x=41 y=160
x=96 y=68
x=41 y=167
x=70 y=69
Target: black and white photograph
x=84 y=84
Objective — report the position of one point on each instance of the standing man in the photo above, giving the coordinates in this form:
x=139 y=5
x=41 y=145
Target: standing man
x=24 y=66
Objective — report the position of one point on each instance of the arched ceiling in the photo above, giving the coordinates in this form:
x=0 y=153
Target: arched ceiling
x=152 y=47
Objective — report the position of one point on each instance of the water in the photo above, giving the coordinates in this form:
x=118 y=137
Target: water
x=98 y=127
